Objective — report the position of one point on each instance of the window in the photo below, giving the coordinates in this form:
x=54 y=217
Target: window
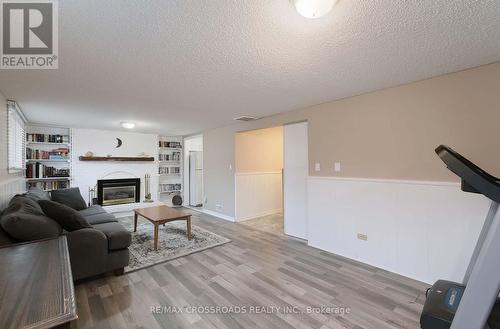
x=16 y=138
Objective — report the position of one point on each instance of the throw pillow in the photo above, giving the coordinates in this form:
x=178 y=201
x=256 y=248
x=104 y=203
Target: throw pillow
x=23 y=204
x=35 y=194
x=68 y=218
x=24 y=220
x=70 y=197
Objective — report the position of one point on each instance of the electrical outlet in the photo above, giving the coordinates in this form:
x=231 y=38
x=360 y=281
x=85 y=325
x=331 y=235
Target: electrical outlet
x=317 y=166
x=363 y=237
x=336 y=166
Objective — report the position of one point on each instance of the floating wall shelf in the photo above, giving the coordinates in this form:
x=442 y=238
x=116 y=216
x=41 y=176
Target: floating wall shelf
x=84 y=158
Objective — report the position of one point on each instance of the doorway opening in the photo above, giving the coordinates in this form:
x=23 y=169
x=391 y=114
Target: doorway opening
x=193 y=167
x=272 y=167
x=258 y=179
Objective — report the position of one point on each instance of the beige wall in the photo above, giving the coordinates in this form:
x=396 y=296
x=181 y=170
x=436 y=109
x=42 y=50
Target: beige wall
x=259 y=150
x=4 y=175
x=388 y=134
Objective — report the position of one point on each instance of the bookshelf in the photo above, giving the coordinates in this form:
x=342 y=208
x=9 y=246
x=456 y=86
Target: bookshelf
x=48 y=157
x=170 y=167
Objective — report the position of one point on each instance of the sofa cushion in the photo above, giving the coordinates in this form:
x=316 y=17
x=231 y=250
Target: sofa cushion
x=35 y=194
x=70 y=197
x=118 y=236
x=68 y=218
x=92 y=210
x=101 y=218
x=24 y=220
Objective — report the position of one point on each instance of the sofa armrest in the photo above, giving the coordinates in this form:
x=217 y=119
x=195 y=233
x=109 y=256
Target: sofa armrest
x=88 y=251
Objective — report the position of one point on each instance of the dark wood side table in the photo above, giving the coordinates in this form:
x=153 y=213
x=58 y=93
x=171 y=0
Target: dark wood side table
x=160 y=215
x=36 y=285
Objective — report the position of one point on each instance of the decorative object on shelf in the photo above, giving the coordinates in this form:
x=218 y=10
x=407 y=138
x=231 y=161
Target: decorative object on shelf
x=89 y=154
x=119 y=143
x=147 y=188
x=61 y=153
x=177 y=200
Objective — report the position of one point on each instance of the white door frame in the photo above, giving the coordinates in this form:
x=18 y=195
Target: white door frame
x=295 y=174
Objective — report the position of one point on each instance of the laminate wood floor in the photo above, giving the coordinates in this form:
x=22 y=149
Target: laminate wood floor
x=271 y=223
x=257 y=271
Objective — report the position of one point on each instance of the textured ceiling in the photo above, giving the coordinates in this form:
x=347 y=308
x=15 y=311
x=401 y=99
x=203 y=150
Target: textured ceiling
x=182 y=66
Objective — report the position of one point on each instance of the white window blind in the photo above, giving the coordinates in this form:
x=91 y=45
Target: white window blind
x=16 y=138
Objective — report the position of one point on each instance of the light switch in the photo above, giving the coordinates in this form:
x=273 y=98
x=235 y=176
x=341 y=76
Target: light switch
x=337 y=166
x=317 y=166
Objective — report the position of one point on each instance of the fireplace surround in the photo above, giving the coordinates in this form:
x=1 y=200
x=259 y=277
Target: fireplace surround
x=118 y=191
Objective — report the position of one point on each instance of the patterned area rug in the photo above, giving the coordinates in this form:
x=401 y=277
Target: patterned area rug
x=172 y=242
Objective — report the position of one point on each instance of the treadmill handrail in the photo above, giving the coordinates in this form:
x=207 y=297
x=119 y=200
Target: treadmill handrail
x=471 y=174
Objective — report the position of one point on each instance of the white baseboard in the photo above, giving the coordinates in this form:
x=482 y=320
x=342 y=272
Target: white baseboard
x=213 y=213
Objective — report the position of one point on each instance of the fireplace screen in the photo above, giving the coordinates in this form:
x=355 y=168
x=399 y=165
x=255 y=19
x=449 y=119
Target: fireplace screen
x=118 y=195
x=118 y=191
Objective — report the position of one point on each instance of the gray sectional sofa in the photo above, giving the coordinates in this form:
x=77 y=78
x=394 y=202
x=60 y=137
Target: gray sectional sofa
x=100 y=246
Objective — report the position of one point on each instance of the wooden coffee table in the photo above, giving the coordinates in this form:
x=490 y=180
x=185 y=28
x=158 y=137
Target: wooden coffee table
x=160 y=215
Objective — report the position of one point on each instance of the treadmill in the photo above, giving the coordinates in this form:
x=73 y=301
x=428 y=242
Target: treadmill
x=472 y=304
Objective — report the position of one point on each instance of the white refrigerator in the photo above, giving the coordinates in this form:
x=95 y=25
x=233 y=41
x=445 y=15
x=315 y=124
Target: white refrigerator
x=196 y=178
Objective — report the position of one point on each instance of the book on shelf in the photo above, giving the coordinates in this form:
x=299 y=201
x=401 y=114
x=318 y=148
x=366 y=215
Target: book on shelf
x=61 y=153
x=170 y=187
x=175 y=156
x=39 y=170
x=170 y=144
x=45 y=138
x=169 y=170
x=48 y=186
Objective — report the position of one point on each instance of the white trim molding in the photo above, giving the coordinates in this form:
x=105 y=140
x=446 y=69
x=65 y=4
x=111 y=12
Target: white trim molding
x=213 y=213
x=386 y=181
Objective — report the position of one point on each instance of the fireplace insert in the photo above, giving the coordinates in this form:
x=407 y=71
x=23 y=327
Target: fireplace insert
x=118 y=191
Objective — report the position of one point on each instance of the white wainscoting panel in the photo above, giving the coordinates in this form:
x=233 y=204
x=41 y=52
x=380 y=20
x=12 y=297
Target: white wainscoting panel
x=10 y=188
x=423 y=230
x=258 y=194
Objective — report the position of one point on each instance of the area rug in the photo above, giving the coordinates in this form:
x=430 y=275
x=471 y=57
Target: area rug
x=172 y=242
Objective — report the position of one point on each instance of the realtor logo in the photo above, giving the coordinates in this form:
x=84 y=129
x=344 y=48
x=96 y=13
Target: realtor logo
x=29 y=34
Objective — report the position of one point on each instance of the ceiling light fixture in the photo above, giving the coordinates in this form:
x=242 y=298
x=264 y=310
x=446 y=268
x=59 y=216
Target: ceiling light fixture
x=313 y=8
x=128 y=125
